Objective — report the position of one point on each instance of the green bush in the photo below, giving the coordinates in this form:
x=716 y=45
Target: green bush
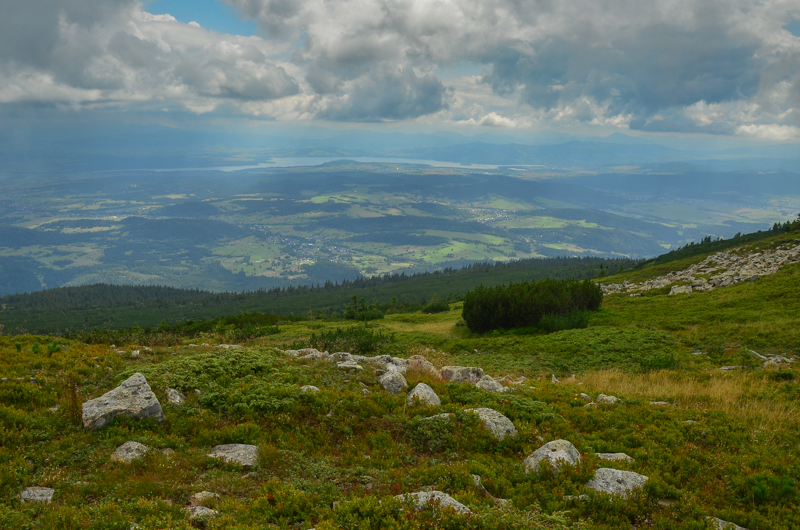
x=436 y=306
x=527 y=304
x=358 y=340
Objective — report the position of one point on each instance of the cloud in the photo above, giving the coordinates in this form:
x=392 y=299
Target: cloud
x=717 y=66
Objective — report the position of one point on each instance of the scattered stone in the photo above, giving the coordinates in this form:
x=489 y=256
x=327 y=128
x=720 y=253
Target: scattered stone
x=607 y=400
x=585 y=396
x=719 y=524
x=490 y=385
x=590 y=405
x=200 y=513
x=424 y=395
x=689 y=421
x=340 y=356
x=128 y=452
x=681 y=289
x=393 y=382
x=499 y=425
x=554 y=379
x=292 y=353
x=615 y=457
x=581 y=497
x=309 y=388
x=133 y=398
x=37 y=494
x=168 y=452
x=555 y=454
x=461 y=374
x=175 y=397
x=54 y=408
x=615 y=481
x=422 y=498
x=230 y=346
x=312 y=354
x=729 y=368
x=135 y=353
x=242 y=454
x=507 y=380
x=660 y=403
x=419 y=364
x=349 y=367
x=199 y=498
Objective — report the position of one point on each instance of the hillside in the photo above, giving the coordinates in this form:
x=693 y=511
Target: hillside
x=704 y=403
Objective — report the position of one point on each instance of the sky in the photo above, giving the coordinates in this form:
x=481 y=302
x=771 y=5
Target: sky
x=669 y=68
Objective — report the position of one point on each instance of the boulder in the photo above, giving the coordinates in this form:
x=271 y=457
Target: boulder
x=585 y=397
x=133 y=398
x=175 y=397
x=242 y=454
x=128 y=452
x=200 y=513
x=37 y=494
x=421 y=499
x=349 y=367
x=615 y=481
x=230 y=346
x=199 y=498
x=555 y=454
x=421 y=365
x=498 y=425
x=393 y=382
x=719 y=524
x=615 y=457
x=490 y=385
x=461 y=374
x=607 y=400
x=309 y=388
x=681 y=289
x=423 y=395
x=660 y=403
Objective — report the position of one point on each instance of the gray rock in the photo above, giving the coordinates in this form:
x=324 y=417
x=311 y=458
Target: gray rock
x=311 y=354
x=230 y=346
x=200 y=513
x=421 y=499
x=442 y=416
x=175 y=397
x=585 y=397
x=242 y=454
x=128 y=452
x=309 y=388
x=554 y=379
x=556 y=454
x=423 y=395
x=607 y=400
x=133 y=398
x=490 y=385
x=37 y=494
x=681 y=289
x=461 y=374
x=498 y=425
x=199 y=498
x=421 y=365
x=660 y=403
x=349 y=367
x=719 y=524
x=615 y=457
x=393 y=382
x=729 y=368
x=615 y=481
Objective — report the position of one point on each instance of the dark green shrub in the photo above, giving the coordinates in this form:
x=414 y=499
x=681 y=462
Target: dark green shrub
x=359 y=340
x=436 y=306
x=525 y=304
x=781 y=375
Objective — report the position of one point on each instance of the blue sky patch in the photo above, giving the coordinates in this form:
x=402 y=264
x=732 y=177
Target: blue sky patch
x=211 y=14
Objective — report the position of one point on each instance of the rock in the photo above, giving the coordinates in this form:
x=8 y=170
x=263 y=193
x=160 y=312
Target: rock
x=135 y=353
x=133 y=398
x=421 y=365
x=393 y=382
x=175 y=397
x=292 y=353
x=719 y=524
x=200 y=513
x=585 y=397
x=499 y=425
x=37 y=494
x=615 y=457
x=168 y=452
x=442 y=416
x=309 y=388
x=461 y=374
x=660 y=403
x=422 y=498
x=615 y=481
x=242 y=454
x=554 y=379
x=556 y=454
x=128 y=452
x=607 y=400
x=199 y=498
x=507 y=380
x=230 y=346
x=729 y=368
x=681 y=289
x=312 y=354
x=349 y=367
x=424 y=395
x=490 y=385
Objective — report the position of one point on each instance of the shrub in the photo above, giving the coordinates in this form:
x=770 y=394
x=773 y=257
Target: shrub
x=526 y=304
x=359 y=340
x=436 y=306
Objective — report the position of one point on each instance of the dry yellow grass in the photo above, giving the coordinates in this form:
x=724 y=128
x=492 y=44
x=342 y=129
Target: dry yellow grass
x=745 y=396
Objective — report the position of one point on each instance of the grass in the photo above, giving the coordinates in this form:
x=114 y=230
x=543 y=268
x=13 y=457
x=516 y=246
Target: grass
x=337 y=458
